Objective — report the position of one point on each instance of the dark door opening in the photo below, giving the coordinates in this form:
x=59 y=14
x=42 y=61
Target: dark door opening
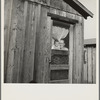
x=59 y=65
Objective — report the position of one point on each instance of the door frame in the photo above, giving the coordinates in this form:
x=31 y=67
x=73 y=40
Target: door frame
x=72 y=23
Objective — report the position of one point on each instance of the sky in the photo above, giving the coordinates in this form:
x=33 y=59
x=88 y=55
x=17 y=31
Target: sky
x=90 y=25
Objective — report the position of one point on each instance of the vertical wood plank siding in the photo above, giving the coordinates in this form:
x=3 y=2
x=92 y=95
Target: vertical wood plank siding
x=57 y=4
x=20 y=64
x=7 y=25
x=15 y=51
x=29 y=48
x=89 y=65
x=89 y=72
x=94 y=65
x=43 y=47
x=78 y=51
x=28 y=38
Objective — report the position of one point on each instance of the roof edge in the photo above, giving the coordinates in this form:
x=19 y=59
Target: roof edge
x=90 y=41
x=83 y=7
x=79 y=7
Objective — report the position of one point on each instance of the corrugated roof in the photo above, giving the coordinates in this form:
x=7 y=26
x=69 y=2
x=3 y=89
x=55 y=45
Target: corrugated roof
x=90 y=41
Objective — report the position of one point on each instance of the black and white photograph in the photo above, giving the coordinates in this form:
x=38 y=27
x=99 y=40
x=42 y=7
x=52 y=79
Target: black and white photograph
x=50 y=41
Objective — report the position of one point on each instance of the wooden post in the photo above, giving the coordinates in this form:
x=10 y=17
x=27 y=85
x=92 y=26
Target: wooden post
x=78 y=51
x=71 y=53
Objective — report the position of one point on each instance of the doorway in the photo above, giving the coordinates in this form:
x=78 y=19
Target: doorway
x=60 y=52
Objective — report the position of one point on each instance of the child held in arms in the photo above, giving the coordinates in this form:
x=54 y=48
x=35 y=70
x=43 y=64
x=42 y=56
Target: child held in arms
x=59 y=45
x=62 y=45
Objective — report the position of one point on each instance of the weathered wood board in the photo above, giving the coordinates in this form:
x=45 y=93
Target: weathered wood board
x=28 y=40
x=89 y=71
x=15 y=42
x=43 y=46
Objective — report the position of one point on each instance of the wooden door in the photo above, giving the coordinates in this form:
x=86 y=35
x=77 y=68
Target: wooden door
x=60 y=70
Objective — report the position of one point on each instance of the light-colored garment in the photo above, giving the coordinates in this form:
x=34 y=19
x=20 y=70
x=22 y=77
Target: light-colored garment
x=59 y=33
x=56 y=47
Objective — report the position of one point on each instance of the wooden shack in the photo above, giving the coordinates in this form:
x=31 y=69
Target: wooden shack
x=89 y=70
x=44 y=41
